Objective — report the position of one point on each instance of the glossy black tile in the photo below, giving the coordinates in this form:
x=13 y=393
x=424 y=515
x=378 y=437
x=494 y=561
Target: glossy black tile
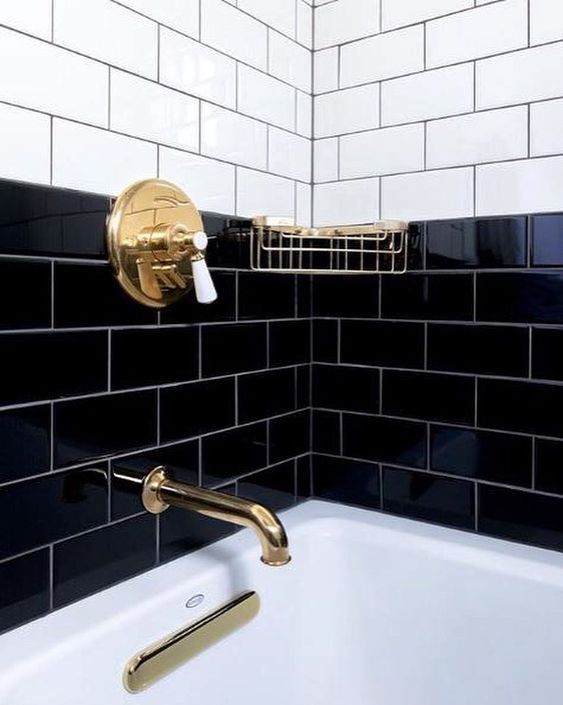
x=547 y=240
x=192 y=409
x=346 y=388
x=325 y=340
x=382 y=343
x=31 y=307
x=447 y=297
x=326 y=432
x=549 y=466
x=98 y=426
x=348 y=481
x=428 y=395
x=24 y=442
x=303 y=391
x=183 y=532
x=345 y=296
x=486 y=350
x=522 y=516
x=229 y=454
x=547 y=353
x=266 y=394
x=483 y=455
x=289 y=436
x=303 y=478
x=304 y=296
x=229 y=241
x=521 y=297
x=476 y=243
x=385 y=440
x=420 y=495
x=527 y=407
x=89 y=295
x=188 y=310
x=274 y=487
x=266 y=295
x=52 y=507
x=233 y=348
x=51 y=365
x=96 y=560
x=290 y=343
x=24 y=589
x=135 y=355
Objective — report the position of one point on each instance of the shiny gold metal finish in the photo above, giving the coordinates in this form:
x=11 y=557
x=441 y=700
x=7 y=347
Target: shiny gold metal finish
x=160 y=491
x=154 y=235
x=164 y=656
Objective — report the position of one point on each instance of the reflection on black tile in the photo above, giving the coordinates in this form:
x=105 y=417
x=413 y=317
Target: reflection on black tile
x=24 y=442
x=527 y=407
x=274 y=487
x=229 y=240
x=547 y=240
x=192 y=409
x=289 y=436
x=266 y=394
x=480 y=243
x=136 y=356
x=431 y=396
x=326 y=432
x=303 y=386
x=348 y=481
x=346 y=388
x=304 y=299
x=547 y=353
x=266 y=295
x=50 y=365
x=483 y=455
x=493 y=350
x=31 y=307
x=423 y=496
x=181 y=460
x=24 y=589
x=325 y=340
x=45 y=509
x=383 y=439
x=183 y=532
x=526 y=297
x=89 y=295
x=345 y=296
x=188 y=310
x=290 y=343
x=513 y=514
x=382 y=343
x=96 y=560
x=447 y=297
x=98 y=426
x=549 y=466
x=303 y=478
x=233 y=348
x=230 y=454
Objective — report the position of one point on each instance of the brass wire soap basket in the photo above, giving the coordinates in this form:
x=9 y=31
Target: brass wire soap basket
x=276 y=245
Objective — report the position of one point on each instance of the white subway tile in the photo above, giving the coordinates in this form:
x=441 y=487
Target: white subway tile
x=234 y=33
x=290 y=155
x=305 y=24
x=392 y=150
x=530 y=186
x=25 y=145
x=397 y=13
x=427 y=95
x=194 y=68
x=145 y=109
x=263 y=194
x=483 y=31
x=326 y=70
x=38 y=75
x=232 y=137
x=107 y=31
x=31 y=16
x=303 y=205
x=326 y=159
x=346 y=202
x=279 y=14
x=304 y=114
x=210 y=183
x=91 y=159
x=546 y=20
x=384 y=56
x=349 y=110
x=344 y=20
x=546 y=123
x=433 y=194
x=182 y=15
x=531 y=74
x=265 y=98
x=490 y=136
x=290 y=62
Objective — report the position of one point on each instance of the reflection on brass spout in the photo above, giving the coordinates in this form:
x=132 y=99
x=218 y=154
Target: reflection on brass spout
x=160 y=491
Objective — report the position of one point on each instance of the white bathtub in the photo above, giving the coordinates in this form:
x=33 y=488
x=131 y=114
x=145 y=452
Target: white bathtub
x=373 y=610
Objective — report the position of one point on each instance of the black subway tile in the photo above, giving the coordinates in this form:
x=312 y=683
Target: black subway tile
x=274 y=487
x=547 y=353
x=345 y=296
x=289 y=436
x=325 y=340
x=188 y=310
x=266 y=295
x=184 y=532
x=304 y=298
x=520 y=297
x=290 y=343
x=549 y=466
x=382 y=343
x=303 y=478
x=266 y=394
x=233 y=348
x=547 y=240
x=346 y=388
x=27 y=288
x=428 y=296
x=326 y=431
x=348 y=481
x=24 y=589
x=420 y=495
x=229 y=454
x=303 y=395
x=24 y=442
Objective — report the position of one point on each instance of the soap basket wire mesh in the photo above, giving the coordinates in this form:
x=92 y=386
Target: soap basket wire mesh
x=276 y=245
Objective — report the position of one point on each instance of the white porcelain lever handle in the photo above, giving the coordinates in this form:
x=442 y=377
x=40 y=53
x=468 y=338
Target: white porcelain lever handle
x=205 y=291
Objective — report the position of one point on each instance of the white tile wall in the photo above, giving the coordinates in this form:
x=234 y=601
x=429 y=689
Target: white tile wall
x=546 y=20
x=279 y=14
x=182 y=15
x=290 y=62
x=304 y=115
x=546 y=128
x=326 y=160
x=349 y=110
x=263 y=194
x=346 y=202
x=232 y=137
x=325 y=64
x=25 y=144
x=397 y=13
x=32 y=16
x=303 y=204
x=345 y=20
x=289 y=155
x=265 y=98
